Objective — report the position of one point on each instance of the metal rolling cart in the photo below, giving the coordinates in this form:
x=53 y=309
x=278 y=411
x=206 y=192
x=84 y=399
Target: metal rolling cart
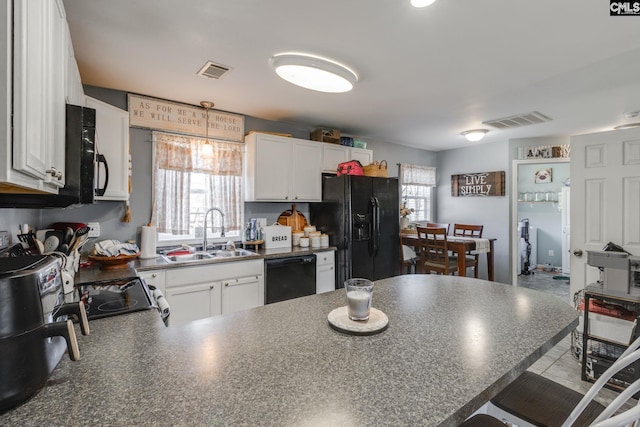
x=599 y=352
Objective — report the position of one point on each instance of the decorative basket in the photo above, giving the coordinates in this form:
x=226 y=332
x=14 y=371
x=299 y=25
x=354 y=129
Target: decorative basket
x=376 y=168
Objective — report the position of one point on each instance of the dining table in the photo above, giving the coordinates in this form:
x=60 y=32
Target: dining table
x=460 y=246
x=451 y=344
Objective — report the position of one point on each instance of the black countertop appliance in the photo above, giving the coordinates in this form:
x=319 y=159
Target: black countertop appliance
x=80 y=166
x=35 y=330
x=361 y=215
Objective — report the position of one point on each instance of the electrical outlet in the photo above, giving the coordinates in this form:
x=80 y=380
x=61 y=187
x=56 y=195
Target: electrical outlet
x=550 y=252
x=94 y=229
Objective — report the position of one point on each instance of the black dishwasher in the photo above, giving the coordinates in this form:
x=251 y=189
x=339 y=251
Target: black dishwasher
x=290 y=277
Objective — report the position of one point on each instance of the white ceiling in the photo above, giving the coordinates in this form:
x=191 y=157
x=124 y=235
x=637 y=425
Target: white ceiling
x=425 y=75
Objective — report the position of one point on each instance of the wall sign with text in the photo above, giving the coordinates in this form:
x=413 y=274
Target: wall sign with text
x=478 y=184
x=153 y=113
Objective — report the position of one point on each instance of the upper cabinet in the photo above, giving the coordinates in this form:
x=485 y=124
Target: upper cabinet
x=333 y=155
x=74 y=92
x=112 y=142
x=33 y=69
x=281 y=169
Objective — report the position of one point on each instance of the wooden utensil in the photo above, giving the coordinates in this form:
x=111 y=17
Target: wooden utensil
x=293 y=218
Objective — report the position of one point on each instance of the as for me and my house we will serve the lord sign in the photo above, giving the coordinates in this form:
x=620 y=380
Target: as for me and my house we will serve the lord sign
x=478 y=184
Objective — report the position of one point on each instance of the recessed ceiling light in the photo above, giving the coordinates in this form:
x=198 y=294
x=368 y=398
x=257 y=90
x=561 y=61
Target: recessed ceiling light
x=314 y=72
x=422 y=3
x=474 y=135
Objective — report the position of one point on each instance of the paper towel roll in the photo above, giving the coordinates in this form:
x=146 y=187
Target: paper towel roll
x=148 y=242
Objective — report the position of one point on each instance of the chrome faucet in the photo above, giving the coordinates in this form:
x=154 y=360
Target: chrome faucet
x=206 y=214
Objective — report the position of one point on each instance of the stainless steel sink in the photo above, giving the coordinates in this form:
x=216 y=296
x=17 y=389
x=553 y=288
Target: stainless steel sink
x=228 y=254
x=202 y=256
x=196 y=256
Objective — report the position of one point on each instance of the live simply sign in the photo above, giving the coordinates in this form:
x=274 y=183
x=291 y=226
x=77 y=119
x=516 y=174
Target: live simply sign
x=478 y=184
x=153 y=113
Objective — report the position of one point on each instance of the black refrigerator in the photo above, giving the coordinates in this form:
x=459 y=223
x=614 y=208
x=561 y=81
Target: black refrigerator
x=361 y=216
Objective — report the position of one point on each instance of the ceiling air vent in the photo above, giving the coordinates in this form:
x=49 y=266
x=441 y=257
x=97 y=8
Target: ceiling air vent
x=525 y=119
x=213 y=70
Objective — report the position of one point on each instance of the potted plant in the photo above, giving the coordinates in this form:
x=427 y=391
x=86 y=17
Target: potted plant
x=404 y=216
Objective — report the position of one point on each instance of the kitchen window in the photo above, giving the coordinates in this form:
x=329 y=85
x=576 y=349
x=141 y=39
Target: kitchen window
x=417 y=184
x=192 y=175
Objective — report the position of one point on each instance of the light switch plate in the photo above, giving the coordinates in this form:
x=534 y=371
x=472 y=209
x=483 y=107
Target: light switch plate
x=94 y=229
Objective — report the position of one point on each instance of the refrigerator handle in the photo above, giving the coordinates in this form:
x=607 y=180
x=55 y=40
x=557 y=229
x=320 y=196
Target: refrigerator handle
x=376 y=225
x=372 y=211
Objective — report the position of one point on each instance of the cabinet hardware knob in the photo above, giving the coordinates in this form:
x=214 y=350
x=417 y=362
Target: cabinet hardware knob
x=154 y=275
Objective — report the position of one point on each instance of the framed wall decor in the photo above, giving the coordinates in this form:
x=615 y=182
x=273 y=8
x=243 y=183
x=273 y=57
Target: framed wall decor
x=478 y=184
x=543 y=176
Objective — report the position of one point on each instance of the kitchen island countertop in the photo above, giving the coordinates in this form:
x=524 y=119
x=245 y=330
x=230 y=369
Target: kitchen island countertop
x=451 y=345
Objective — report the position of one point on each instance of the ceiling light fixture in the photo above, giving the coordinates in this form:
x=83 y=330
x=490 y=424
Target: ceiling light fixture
x=628 y=126
x=422 y=3
x=314 y=72
x=474 y=135
x=207 y=150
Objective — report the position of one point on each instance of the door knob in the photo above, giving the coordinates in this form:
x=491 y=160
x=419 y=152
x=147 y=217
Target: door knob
x=577 y=252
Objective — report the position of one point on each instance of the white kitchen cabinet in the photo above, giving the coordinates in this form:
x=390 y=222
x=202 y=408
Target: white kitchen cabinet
x=280 y=169
x=241 y=293
x=325 y=272
x=155 y=278
x=196 y=292
x=333 y=155
x=74 y=92
x=112 y=141
x=364 y=156
x=32 y=74
x=193 y=302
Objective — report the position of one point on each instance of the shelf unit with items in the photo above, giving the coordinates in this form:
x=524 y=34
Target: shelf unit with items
x=608 y=324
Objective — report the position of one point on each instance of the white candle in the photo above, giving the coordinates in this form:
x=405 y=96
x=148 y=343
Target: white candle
x=359 y=303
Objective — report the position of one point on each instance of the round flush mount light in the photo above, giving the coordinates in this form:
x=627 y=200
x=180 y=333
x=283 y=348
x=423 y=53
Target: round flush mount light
x=474 y=135
x=314 y=72
x=422 y=3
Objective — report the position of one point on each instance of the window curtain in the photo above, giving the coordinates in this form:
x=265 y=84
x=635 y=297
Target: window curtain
x=176 y=157
x=417 y=175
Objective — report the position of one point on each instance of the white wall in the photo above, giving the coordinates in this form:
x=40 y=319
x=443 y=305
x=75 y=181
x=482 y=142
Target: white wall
x=492 y=212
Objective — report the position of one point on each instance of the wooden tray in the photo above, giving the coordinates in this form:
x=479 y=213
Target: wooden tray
x=113 y=262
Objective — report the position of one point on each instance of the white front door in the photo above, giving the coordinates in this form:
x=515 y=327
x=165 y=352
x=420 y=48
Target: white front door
x=605 y=198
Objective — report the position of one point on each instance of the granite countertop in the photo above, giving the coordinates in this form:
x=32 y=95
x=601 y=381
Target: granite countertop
x=94 y=273
x=452 y=344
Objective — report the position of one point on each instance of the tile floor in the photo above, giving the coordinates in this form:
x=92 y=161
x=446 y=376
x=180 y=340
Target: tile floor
x=559 y=364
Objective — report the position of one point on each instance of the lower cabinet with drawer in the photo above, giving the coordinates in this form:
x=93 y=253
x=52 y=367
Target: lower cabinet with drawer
x=197 y=292
x=325 y=272
x=155 y=278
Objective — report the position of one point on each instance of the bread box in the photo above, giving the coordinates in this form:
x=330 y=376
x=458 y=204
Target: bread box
x=276 y=236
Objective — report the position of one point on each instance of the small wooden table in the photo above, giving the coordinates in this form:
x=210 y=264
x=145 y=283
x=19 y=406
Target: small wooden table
x=460 y=247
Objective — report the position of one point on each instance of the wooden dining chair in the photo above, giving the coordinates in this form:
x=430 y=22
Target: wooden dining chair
x=542 y=402
x=434 y=253
x=469 y=230
x=438 y=225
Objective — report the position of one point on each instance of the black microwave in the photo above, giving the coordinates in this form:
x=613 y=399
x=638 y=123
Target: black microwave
x=81 y=165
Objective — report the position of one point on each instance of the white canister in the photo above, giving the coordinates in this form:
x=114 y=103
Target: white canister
x=315 y=241
x=295 y=238
x=304 y=242
x=308 y=229
x=324 y=240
